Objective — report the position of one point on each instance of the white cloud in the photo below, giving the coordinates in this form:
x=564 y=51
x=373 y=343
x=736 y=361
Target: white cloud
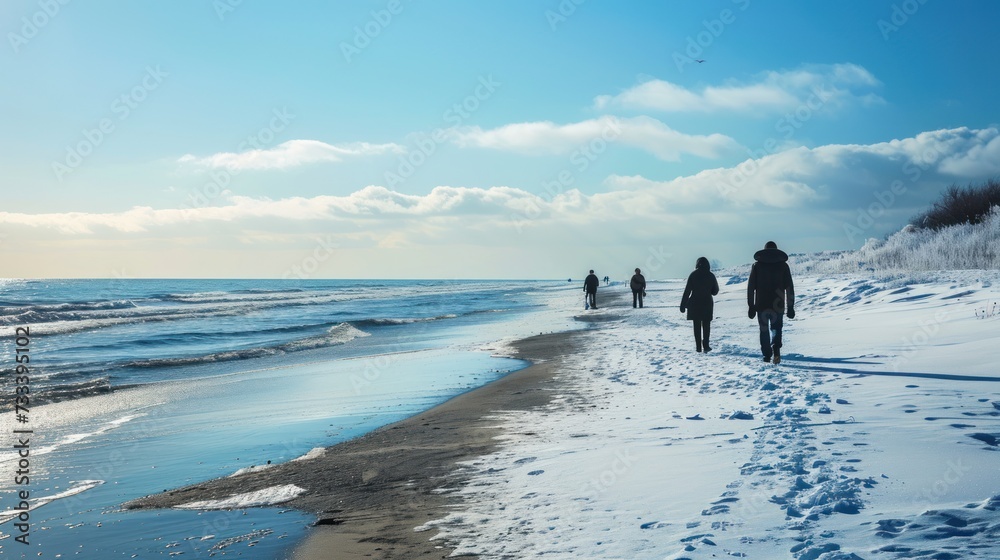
x=827 y=177
x=292 y=153
x=770 y=92
x=644 y=133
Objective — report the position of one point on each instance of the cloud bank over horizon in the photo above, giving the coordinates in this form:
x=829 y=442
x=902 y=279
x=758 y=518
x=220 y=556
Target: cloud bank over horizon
x=836 y=180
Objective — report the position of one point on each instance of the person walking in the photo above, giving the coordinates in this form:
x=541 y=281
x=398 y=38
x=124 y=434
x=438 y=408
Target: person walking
x=768 y=289
x=590 y=285
x=697 y=301
x=638 y=285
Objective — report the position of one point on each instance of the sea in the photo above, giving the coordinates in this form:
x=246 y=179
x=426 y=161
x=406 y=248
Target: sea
x=120 y=388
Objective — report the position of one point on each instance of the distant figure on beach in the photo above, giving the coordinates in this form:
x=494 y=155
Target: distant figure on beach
x=638 y=285
x=769 y=288
x=590 y=288
x=607 y=280
x=697 y=301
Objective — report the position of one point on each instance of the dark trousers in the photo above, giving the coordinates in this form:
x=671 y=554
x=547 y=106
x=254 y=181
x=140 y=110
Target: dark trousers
x=592 y=298
x=636 y=297
x=770 y=331
x=702 y=331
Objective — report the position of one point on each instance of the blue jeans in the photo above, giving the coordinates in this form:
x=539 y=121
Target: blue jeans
x=770 y=331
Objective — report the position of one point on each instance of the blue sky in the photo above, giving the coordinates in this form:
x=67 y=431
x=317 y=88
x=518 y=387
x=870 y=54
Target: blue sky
x=528 y=139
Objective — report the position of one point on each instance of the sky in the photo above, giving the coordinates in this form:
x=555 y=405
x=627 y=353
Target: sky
x=489 y=139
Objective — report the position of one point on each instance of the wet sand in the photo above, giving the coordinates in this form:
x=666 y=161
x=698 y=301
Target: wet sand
x=369 y=493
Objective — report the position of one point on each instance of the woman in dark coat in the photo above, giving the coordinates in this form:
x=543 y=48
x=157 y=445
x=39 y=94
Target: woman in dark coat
x=697 y=301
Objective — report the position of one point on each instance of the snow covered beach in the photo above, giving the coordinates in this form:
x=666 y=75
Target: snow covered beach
x=875 y=437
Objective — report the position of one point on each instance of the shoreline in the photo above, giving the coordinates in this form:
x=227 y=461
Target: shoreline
x=370 y=492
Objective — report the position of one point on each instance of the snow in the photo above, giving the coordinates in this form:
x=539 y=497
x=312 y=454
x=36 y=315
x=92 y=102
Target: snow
x=266 y=497
x=875 y=437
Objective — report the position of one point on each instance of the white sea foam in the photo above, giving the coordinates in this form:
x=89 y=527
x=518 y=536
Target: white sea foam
x=252 y=468
x=75 y=438
x=314 y=453
x=81 y=486
x=267 y=496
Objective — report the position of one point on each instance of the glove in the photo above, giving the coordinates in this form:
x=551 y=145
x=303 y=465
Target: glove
x=791 y=313
x=751 y=313
x=683 y=309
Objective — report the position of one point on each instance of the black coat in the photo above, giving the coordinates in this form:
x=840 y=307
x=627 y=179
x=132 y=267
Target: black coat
x=770 y=284
x=591 y=283
x=698 y=292
x=638 y=283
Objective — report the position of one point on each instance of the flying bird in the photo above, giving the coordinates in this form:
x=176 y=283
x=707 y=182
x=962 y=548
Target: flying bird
x=698 y=60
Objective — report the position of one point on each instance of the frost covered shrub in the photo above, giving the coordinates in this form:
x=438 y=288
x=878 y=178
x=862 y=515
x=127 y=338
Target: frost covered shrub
x=955 y=247
x=959 y=205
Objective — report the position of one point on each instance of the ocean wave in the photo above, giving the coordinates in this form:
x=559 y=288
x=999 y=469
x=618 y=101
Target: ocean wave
x=60 y=322
x=248 y=296
x=338 y=334
x=40 y=313
x=401 y=321
x=65 y=392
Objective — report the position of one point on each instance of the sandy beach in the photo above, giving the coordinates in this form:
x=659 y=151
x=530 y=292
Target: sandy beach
x=371 y=492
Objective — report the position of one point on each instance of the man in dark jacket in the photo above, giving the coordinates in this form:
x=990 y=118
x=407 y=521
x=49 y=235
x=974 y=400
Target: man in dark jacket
x=590 y=288
x=638 y=285
x=769 y=288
